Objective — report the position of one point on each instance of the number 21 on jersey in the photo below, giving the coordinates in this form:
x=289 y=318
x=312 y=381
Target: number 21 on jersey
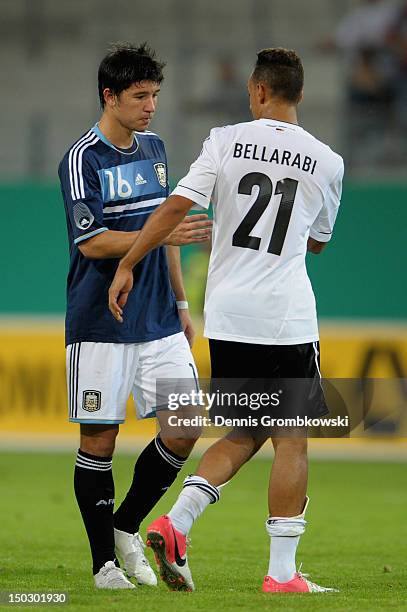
x=288 y=189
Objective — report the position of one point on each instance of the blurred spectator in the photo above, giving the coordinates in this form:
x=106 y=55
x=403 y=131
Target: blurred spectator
x=228 y=99
x=370 y=102
x=364 y=27
x=397 y=41
x=370 y=81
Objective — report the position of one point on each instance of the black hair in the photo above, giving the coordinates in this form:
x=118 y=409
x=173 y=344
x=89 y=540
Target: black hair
x=282 y=72
x=126 y=64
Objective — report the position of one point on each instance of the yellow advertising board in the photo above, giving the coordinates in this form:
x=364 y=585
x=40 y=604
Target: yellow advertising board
x=33 y=397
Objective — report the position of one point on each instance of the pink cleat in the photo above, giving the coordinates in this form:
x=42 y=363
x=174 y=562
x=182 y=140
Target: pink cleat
x=298 y=584
x=169 y=546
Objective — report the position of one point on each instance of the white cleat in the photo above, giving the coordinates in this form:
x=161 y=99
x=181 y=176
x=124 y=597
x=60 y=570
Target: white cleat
x=130 y=549
x=112 y=577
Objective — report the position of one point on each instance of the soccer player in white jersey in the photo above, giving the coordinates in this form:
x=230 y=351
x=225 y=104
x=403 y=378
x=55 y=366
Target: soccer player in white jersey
x=275 y=191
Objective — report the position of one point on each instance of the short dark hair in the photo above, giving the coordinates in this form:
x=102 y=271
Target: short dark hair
x=126 y=64
x=281 y=71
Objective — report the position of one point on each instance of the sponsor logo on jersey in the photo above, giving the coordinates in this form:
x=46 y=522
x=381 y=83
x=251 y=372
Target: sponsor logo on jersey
x=91 y=401
x=82 y=216
x=161 y=172
x=140 y=180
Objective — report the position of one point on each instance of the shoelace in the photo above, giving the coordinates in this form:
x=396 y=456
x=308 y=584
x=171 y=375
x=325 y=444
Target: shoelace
x=140 y=541
x=140 y=546
x=107 y=570
x=313 y=587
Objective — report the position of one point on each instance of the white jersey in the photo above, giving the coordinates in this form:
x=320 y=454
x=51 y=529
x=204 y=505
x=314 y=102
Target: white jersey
x=272 y=185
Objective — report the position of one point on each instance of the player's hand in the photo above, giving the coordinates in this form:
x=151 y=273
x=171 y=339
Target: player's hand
x=119 y=291
x=187 y=325
x=195 y=228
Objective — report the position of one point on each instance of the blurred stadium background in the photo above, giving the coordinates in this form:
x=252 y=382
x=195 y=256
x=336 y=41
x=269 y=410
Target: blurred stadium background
x=355 y=58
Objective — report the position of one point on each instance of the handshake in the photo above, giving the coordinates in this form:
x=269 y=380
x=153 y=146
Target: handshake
x=191 y=229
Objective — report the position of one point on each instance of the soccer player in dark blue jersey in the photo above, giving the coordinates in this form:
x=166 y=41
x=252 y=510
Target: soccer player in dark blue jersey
x=112 y=178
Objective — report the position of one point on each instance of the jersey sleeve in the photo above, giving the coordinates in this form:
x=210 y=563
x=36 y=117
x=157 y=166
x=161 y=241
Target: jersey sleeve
x=200 y=181
x=323 y=225
x=82 y=196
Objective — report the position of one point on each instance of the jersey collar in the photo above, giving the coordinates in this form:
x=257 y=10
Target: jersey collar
x=272 y=122
x=107 y=142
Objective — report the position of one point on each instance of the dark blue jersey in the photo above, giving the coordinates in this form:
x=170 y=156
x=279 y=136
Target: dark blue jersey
x=107 y=188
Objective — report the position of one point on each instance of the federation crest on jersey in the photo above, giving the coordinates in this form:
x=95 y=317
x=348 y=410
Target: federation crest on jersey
x=91 y=400
x=161 y=172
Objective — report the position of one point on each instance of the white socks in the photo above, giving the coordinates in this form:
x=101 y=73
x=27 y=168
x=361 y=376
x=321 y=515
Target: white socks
x=285 y=534
x=196 y=495
x=282 y=558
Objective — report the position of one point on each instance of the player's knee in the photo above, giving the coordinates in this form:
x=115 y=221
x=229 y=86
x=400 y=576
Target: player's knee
x=97 y=441
x=290 y=445
x=105 y=448
x=182 y=446
x=194 y=433
x=257 y=444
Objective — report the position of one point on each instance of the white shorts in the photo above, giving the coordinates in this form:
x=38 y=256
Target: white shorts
x=101 y=376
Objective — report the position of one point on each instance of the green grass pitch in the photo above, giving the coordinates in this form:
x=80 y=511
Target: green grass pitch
x=355 y=539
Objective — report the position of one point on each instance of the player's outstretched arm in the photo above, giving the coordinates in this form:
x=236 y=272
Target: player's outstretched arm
x=111 y=244
x=160 y=225
x=107 y=245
